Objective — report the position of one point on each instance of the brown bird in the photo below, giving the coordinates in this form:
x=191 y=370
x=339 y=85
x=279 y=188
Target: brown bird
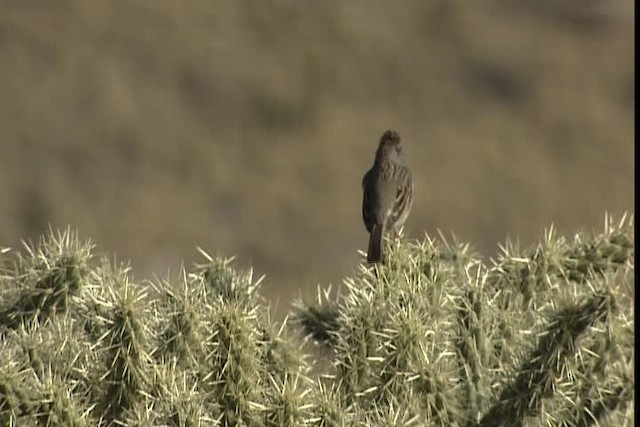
x=388 y=193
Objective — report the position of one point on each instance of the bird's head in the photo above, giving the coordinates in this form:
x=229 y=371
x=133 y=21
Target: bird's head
x=389 y=147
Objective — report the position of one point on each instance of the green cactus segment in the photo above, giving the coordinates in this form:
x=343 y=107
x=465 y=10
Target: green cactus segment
x=473 y=343
x=16 y=393
x=46 y=279
x=320 y=321
x=234 y=365
x=393 y=346
x=123 y=343
x=178 y=338
x=42 y=399
x=538 y=376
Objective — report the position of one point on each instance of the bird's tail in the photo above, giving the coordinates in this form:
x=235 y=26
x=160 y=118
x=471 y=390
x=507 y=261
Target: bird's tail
x=374 y=254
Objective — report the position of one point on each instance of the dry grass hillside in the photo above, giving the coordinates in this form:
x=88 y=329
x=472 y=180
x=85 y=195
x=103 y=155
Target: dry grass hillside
x=245 y=126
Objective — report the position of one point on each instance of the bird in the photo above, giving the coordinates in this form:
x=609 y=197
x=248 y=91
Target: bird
x=387 y=194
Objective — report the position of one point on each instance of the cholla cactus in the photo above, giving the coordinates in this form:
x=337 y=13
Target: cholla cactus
x=437 y=336
x=538 y=337
x=41 y=282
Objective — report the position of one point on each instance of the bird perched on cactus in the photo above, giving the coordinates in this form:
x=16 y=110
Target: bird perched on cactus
x=388 y=193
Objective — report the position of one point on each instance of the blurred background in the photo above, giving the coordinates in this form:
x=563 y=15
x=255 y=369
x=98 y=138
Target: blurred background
x=245 y=126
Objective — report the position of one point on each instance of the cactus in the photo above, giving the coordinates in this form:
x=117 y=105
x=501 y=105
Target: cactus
x=437 y=336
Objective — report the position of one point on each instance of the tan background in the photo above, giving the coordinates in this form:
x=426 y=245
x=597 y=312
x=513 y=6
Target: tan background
x=245 y=126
